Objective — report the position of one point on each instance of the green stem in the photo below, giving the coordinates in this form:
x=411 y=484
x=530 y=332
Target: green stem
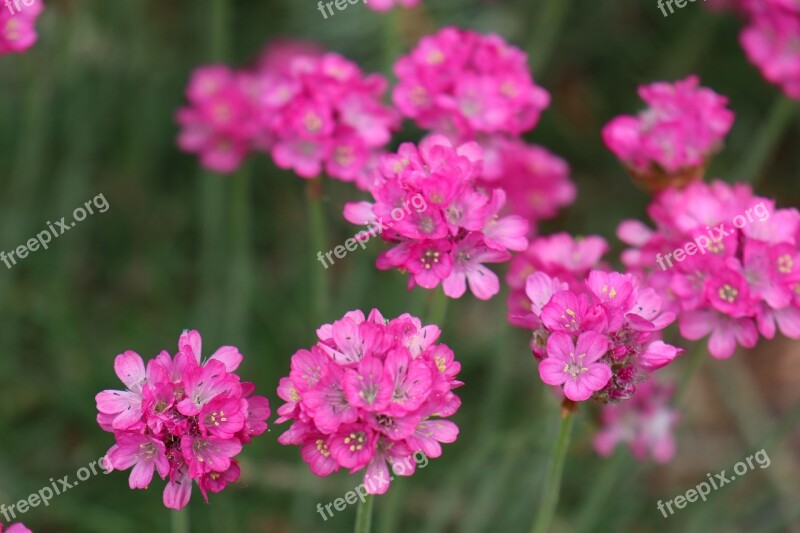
x=781 y=114
x=180 y=521
x=549 y=502
x=696 y=358
x=364 y=515
x=548 y=26
x=318 y=240
x=438 y=308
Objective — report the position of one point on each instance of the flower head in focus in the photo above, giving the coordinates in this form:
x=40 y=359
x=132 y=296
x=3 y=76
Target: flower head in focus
x=181 y=417
x=370 y=394
x=670 y=143
x=646 y=423
x=443 y=226
x=724 y=260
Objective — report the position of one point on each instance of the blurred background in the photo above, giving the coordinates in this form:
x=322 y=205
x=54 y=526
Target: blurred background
x=90 y=110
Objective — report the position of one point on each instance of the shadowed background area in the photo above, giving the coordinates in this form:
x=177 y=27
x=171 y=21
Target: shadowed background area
x=90 y=110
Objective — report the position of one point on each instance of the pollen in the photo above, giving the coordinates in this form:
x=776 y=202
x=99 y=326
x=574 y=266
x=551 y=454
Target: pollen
x=728 y=293
x=785 y=264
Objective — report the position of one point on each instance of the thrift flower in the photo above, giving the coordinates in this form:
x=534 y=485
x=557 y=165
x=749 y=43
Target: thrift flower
x=646 y=424
x=182 y=418
x=461 y=82
x=600 y=341
x=18 y=26
x=443 y=225
x=671 y=142
x=370 y=392
x=15 y=528
x=386 y=5
x=742 y=276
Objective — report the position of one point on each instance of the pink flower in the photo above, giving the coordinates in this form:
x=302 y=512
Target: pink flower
x=18 y=26
x=575 y=367
x=182 y=417
x=646 y=424
x=459 y=81
x=771 y=41
x=744 y=270
x=443 y=225
x=371 y=391
x=672 y=140
x=15 y=528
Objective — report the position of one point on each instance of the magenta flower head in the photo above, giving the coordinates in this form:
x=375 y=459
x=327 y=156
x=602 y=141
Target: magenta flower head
x=15 y=528
x=646 y=424
x=670 y=143
x=370 y=392
x=461 y=82
x=600 y=341
x=559 y=256
x=726 y=262
x=18 y=26
x=182 y=417
x=771 y=41
x=443 y=226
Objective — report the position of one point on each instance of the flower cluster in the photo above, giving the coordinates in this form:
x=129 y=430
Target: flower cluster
x=312 y=111
x=771 y=41
x=182 y=417
x=536 y=181
x=459 y=229
x=559 y=256
x=386 y=5
x=461 y=82
x=18 y=28
x=370 y=391
x=601 y=341
x=646 y=424
x=736 y=268
x=15 y=528
x=671 y=141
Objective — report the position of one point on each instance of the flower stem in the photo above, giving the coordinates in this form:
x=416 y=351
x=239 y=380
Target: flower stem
x=438 y=308
x=180 y=521
x=549 y=502
x=767 y=139
x=318 y=239
x=364 y=515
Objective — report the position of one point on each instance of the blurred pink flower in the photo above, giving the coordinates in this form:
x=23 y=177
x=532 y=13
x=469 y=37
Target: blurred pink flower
x=18 y=27
x=386 y=5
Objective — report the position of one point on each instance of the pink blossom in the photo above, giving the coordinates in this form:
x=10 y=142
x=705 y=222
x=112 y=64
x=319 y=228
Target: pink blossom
x=743 y=274
x=15 y=528
x=183 y=418
x=671 y=141
x=575 y=367
x=370 y=392
x=443 y=225
x=646 y=424
x=386 y=5
x=18 y=28
x=459 y=81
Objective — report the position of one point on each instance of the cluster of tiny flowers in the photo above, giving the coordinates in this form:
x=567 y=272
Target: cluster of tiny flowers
x=371 y=391
x=726 y=261
x=536 y=181
x=646 y=424
x=184 y=418
x=311 y=111
x=460 y=82
x=673 y=139
x=771 y=41
x=18 y=27
x=386 y=5
x=459 y=229
x=559 y=256
x=601 y=341
x=15 y=528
